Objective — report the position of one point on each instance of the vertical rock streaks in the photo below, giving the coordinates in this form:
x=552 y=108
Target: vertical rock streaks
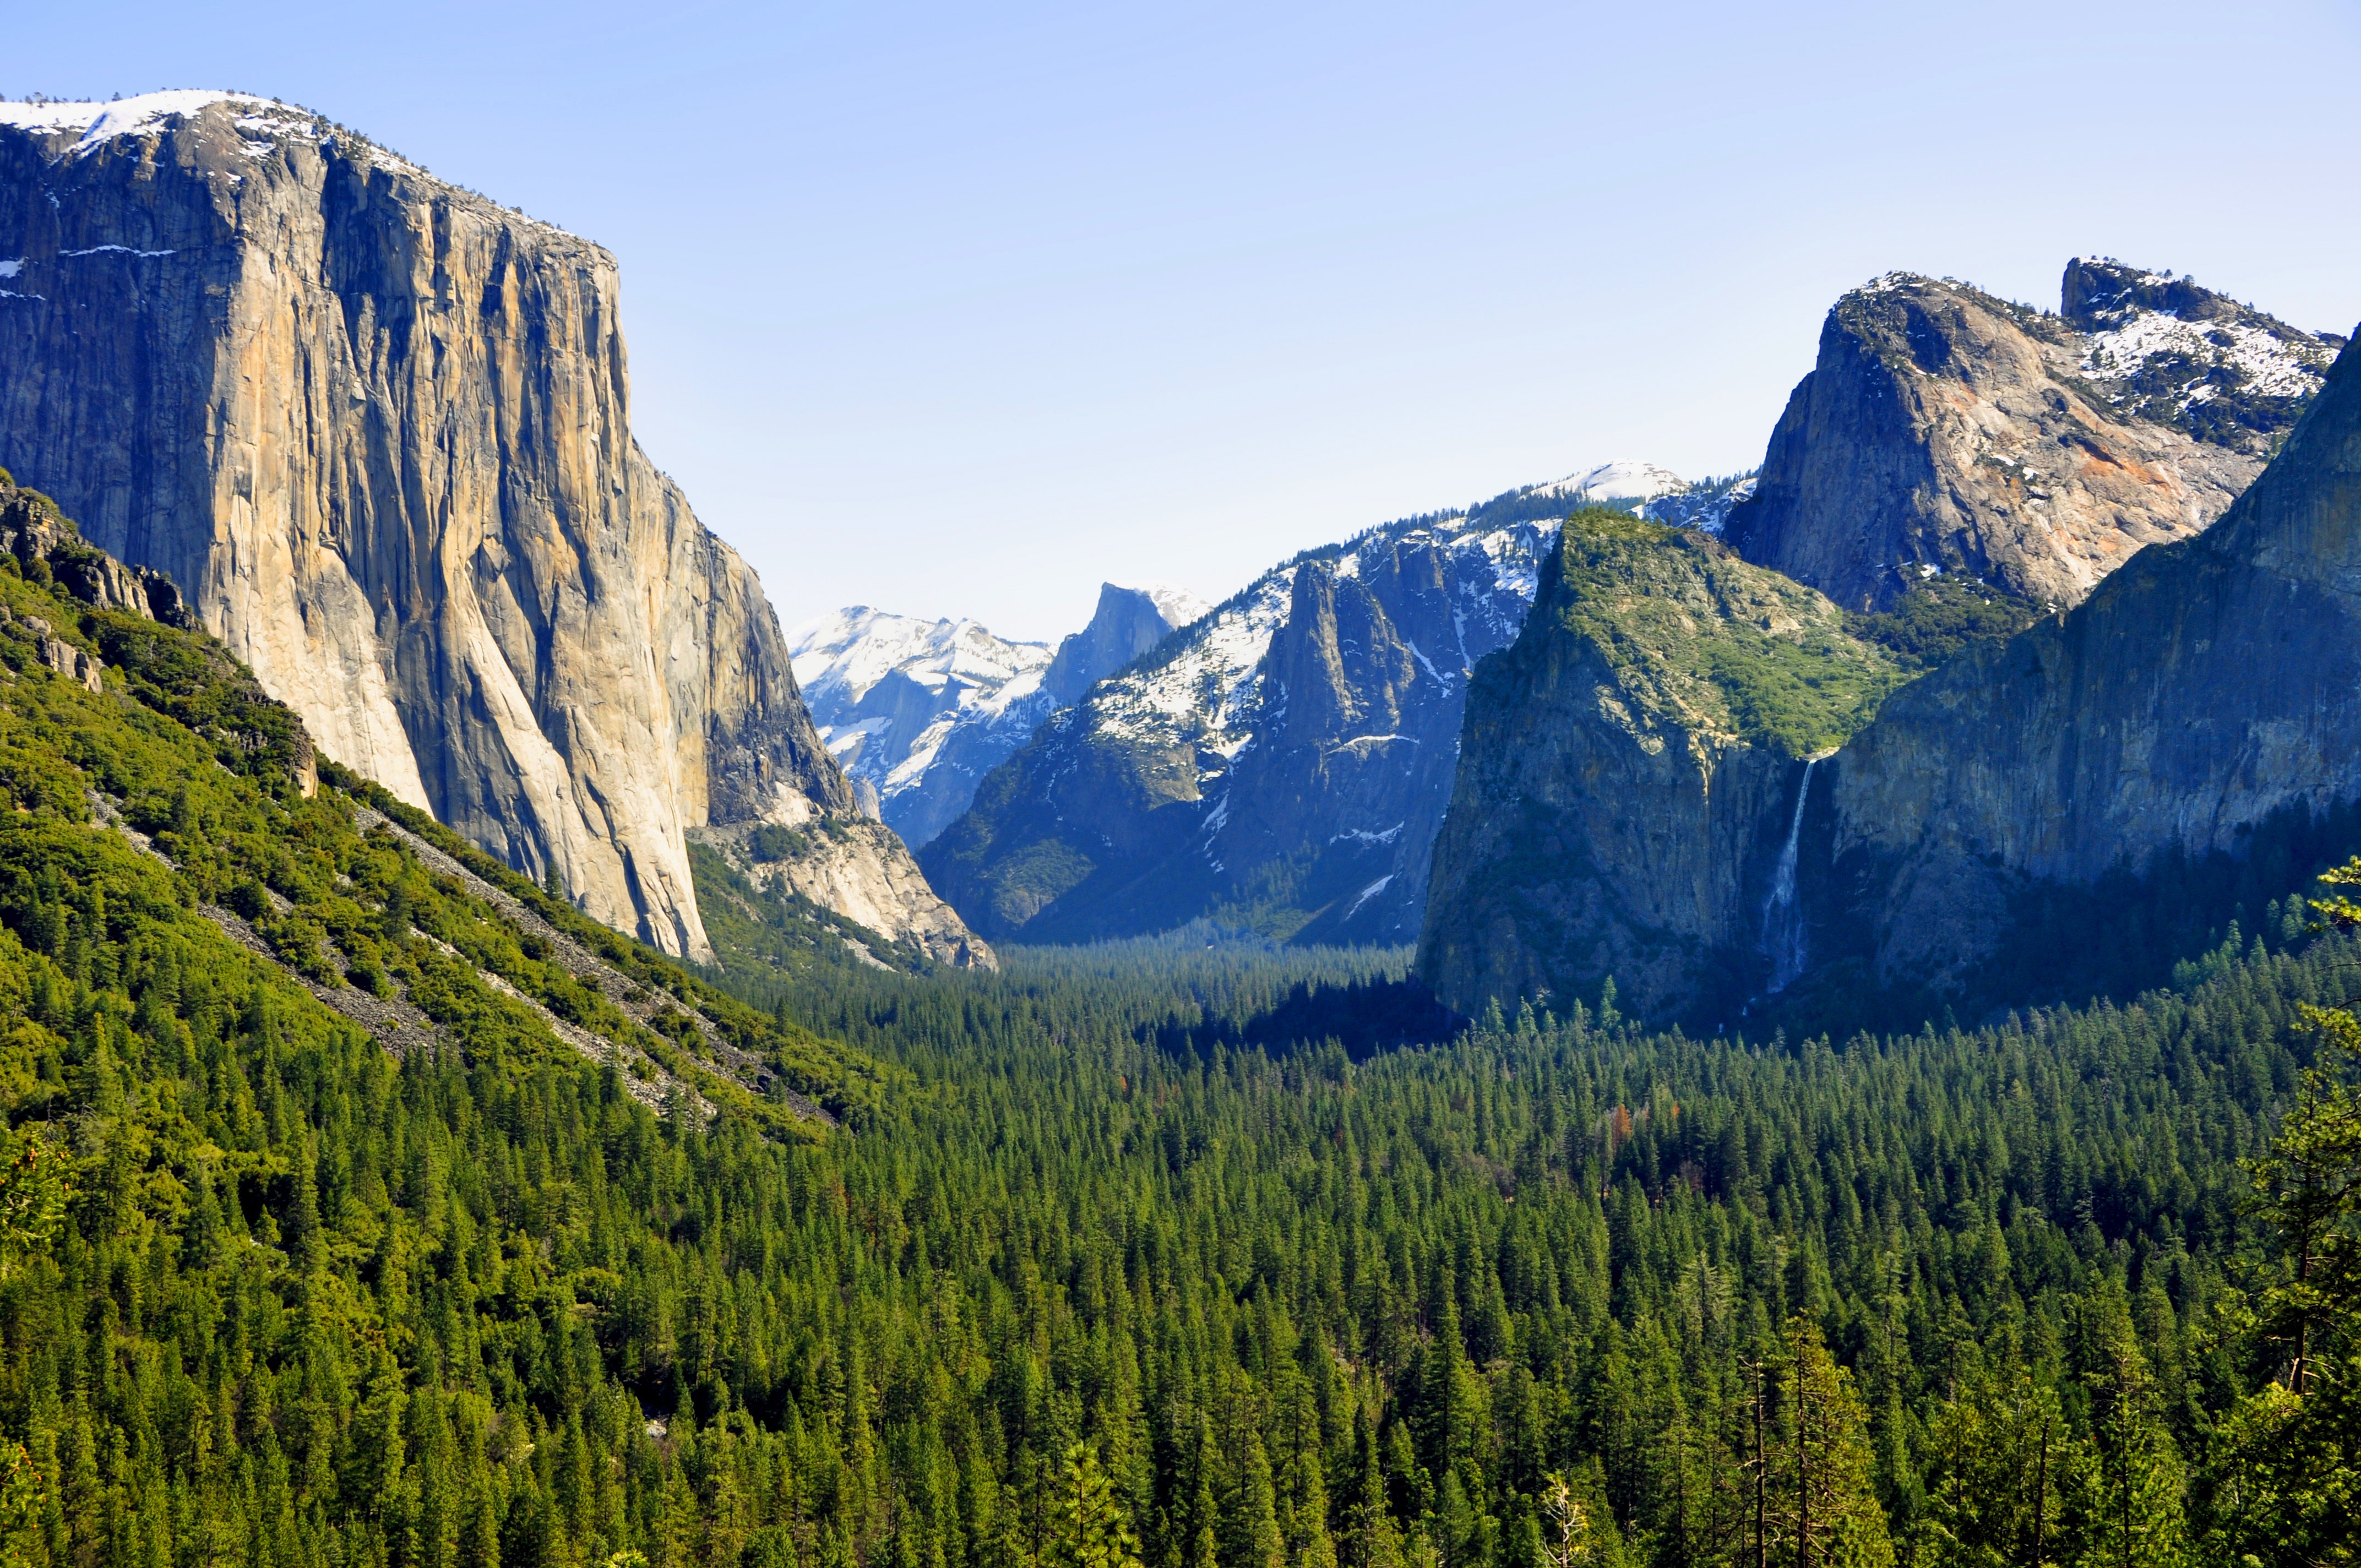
x=377 y=427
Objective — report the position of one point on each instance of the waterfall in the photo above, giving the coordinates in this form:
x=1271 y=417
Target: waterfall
x=1783 y=922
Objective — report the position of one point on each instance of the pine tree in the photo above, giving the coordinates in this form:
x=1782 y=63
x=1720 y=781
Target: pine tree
x=2128 y=1500
x=1821 y=1505
x=1995 y=1451
x=1088 y=1528
x=1249 y=1532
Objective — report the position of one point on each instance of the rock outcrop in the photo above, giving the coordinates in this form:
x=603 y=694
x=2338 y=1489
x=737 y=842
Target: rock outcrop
x=2011 y=825
x=1128 y=622
x=1630 y=777
x=1280 y=764
x=1944 y=429
x=919 y=711
x=378 y=428
x=856 y=868
x=40 y=542
x=2208 y=691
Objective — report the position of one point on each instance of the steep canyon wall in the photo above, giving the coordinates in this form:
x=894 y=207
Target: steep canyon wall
x=379 y=429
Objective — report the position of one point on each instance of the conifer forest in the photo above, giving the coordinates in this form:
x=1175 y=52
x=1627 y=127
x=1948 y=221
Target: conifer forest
x=1088 y=1261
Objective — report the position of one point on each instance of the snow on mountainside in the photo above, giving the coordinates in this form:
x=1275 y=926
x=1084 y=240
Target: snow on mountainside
x=887 y=691
x=842 y=656
x=2163 y=348
x=1281 y=764
x=920 y=711
x=1204 y=683
x=1204 y=688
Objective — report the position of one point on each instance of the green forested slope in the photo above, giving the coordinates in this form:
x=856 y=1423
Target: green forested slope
x=1991 y=1296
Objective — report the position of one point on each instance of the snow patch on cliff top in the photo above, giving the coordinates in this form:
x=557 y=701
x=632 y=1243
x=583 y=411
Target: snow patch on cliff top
x=262 y=127
x=102 y=122
x=1622 y=479
x=2271 y=364
x=1177 y=605
x=124 y=116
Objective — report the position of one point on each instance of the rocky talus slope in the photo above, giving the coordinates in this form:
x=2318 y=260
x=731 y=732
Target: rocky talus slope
x=1945 y=431
x=1630 y=771
x=377 y=427
x=858 y=870
x=922 y=710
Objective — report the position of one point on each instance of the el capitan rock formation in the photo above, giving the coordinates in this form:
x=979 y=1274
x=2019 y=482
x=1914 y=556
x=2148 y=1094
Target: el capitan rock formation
x=378 y=428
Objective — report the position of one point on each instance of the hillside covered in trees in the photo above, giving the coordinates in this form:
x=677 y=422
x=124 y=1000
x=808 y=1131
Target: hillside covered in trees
x=364 y=1204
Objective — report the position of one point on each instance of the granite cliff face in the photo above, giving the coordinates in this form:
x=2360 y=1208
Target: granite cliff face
x=377 y=427
x=1975 y=837
x=1281 y=763
x=40 y=543
x=1944 y=429
x=1128 y=622
x=2205 y=696
x=1630 y=777
x=922 y=710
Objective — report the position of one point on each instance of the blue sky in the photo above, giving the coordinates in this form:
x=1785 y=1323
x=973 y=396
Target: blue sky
x=958 y=311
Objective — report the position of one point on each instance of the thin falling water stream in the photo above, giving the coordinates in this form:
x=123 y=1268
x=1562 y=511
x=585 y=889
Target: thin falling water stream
x=1783 y=921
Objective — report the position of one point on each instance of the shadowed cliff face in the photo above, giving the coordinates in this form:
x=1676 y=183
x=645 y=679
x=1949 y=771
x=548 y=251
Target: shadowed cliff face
x=379 y=428
x=1281 y=763
x=1630 y=776
x=2207 y=688
x=1943 y=430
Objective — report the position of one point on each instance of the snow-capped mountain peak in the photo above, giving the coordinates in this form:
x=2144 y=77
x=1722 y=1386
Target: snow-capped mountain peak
x=842 y=655
x=920 y=711
x=1178 y=605
x=1622 y=479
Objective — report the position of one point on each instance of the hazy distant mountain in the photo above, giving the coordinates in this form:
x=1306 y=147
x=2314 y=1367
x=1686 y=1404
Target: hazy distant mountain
x=920 y=711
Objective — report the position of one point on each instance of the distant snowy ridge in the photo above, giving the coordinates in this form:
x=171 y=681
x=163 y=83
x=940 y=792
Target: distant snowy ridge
x=920 y=711
x=1648 y=490
x=1206 y=686
x=888 y=691
x=1620 y=480
x=843 y=654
